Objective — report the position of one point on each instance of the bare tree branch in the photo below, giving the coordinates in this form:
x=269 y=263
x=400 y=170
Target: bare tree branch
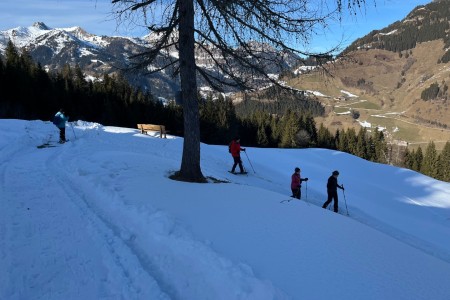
x=243 y=38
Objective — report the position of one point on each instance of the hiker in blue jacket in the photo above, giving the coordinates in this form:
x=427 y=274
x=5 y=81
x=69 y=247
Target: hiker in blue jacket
x=60 y=121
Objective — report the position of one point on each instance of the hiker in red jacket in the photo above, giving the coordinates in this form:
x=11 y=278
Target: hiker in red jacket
x=235 y=150
x=296 y=184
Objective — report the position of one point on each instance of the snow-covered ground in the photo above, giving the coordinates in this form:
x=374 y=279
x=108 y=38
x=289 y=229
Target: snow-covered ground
x=98 y=218
x=348 y=94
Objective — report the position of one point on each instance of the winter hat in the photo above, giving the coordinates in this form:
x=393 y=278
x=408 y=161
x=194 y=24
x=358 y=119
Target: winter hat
x=297 y=169
x=336 y=172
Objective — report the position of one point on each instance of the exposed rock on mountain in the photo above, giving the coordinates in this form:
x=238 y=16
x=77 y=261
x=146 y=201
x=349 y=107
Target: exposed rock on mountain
x=97 y=55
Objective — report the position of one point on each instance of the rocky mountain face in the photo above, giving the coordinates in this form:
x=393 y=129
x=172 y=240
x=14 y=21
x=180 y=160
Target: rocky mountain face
x=97 y=55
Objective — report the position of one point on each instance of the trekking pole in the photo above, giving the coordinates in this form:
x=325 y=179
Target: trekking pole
x=306 y=198
x=73 y=130
x=345 y=200
x=249 y=162
x=306 y=190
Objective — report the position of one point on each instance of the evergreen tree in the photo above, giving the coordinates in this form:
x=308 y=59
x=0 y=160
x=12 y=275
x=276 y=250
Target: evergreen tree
x=444 y=164
x=380 y=146
x=352 y=140
x=371 y=152
x=407 y=159
x=311 y=129
x=429 y=163
x=262 y=139
x=3 y=98
x=337 y=138
x=342 y=141
x=11 y=55
x=78 y=77
x=361 y=144
x=325 y=138
x=275 y=130
x=418 y=158
x=291 y=126
x=12 y=68
x=1 y=69
x=217 y=120
x=431 y=92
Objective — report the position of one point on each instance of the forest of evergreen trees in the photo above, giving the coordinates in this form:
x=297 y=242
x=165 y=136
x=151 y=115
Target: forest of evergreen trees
x=429 y=24
x=435 y=91
x=29 y=92
x=429 y=163
x=276 y=100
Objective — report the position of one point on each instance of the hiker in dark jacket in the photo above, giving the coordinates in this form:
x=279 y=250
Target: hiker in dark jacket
x=332 y=186
x=296 y=184
x=235 y=149
x=60 y=122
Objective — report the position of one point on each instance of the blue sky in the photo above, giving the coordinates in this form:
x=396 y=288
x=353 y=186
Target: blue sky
x=95 y=17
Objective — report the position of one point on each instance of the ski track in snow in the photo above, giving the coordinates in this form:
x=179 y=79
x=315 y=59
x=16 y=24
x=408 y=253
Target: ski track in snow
x=68 y=207
x=124 y=258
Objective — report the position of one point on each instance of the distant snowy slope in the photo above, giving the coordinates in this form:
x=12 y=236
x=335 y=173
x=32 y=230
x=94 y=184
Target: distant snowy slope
x=98 y=218
x=39 y=33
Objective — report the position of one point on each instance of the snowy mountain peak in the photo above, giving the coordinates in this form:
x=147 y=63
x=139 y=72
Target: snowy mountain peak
x=40 y=34
x=41 y=26
x=78 y=32
x=96 y=55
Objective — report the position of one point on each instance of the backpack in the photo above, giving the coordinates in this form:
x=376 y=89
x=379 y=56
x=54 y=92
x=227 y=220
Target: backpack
x=56 y=120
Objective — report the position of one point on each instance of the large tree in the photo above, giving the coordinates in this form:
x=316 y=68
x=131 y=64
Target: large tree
x=224 y=31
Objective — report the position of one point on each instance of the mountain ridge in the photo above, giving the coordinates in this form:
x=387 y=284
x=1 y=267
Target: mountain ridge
x=395 y=78
x=97 y=55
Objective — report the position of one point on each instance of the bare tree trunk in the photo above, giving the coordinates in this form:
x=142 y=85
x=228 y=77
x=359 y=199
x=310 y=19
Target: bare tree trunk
x=190 y=163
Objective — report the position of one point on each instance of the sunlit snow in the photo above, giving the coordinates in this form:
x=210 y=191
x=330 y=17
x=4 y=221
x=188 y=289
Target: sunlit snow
x=98 y=218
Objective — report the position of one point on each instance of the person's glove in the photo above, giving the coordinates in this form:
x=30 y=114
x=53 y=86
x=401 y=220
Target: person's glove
x=243 y=149
x=306 y=179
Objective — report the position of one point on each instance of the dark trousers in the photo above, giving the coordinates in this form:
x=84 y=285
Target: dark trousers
x=297 y=193
x=237 y=161
x=332 y=195
x=62 y=134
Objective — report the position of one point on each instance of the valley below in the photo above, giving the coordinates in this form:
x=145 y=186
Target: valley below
x=378 y=88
